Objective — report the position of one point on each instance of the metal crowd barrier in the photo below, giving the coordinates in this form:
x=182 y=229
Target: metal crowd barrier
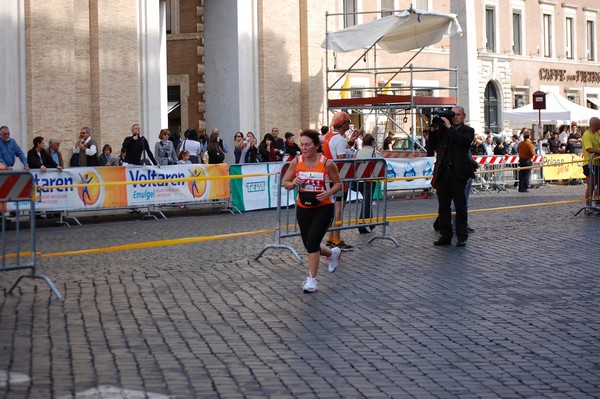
x=493 y=180
x=496 y=179
x=356 y=175
x=511 y=176
x=18 y=246
x=498 y=173
x=537 y=173
x=592 y=205
x=536 y=178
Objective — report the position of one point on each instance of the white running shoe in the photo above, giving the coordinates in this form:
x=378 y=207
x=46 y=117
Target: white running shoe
x=310 y=285
x=334 y=259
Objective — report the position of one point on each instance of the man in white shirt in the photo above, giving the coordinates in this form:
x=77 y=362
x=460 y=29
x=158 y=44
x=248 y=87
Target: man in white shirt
x=334 y=147
x=488 y=144
x=563 y=136
x=87 y=148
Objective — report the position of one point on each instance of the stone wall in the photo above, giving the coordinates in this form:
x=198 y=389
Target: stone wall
x=83 y=69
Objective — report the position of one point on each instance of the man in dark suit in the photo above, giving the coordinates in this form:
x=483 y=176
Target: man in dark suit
x=452 y=170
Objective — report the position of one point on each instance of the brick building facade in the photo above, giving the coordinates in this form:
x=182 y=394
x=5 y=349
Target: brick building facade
x=251 y=65
x=69 y=64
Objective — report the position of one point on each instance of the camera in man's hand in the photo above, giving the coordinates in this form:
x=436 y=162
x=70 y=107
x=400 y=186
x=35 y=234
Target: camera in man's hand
x=437 y=118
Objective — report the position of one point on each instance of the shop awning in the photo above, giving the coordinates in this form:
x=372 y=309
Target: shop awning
x=396 y=33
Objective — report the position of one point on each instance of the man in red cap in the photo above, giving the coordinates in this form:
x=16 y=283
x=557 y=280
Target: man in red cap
x=334 y=147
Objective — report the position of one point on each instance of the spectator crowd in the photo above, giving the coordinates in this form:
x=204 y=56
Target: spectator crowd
x=199 y=147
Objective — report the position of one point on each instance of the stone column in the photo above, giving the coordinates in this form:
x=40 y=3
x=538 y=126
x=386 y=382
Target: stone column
x=231 y=68
x=463 y=55
x=153 y=68
x=13 y=92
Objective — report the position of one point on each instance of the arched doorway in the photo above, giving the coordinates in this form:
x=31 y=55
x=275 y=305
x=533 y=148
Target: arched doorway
x=491 y=108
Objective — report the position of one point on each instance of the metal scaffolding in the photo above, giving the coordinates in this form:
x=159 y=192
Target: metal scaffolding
x=390 y=106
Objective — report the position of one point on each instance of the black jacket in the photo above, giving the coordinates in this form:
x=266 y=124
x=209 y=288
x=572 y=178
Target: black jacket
x=135 y=150
x=452 y=148
x=35 y=162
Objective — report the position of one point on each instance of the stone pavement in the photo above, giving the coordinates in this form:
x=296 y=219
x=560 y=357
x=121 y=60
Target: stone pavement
x=514 y=314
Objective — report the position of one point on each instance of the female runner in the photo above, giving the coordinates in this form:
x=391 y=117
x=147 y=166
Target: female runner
x=312 y=173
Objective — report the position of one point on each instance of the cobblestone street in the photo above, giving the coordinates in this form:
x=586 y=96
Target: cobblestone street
x=513 y=314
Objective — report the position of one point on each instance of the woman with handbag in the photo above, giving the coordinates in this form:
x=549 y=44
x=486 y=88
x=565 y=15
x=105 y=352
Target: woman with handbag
x=215 y=152
x=164 y=150
x=316 y=179
x=192 y=145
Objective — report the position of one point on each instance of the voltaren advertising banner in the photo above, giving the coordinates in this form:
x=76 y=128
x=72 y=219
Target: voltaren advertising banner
x=257 y=192
x=102 y=187
x=409 y=167
x=555 y=167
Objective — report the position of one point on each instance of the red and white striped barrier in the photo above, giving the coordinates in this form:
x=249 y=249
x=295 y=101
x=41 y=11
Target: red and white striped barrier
x=361 y=169
x=20 y=251
x=403 y=154
x=502 y=159
x=350 y=169
x=16 y=186
x=489 y=160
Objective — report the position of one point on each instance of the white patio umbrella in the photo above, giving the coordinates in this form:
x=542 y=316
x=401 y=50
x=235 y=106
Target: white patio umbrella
x=411 y=29
x=558 y=110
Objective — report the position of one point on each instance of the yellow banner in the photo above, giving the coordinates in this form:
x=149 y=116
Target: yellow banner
x=561 y=167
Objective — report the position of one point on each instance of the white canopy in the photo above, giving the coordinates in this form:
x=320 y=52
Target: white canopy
x=399 y=32
x=558 y=110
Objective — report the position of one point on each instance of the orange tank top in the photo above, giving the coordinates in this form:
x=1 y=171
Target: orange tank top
x=314 y=180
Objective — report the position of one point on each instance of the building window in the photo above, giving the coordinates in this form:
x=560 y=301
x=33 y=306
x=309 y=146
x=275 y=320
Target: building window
x=391 y=89
x=517 y=34
x=520 y=100
x=172 y=17
x=168 y=15
x=548 y=37
x=569 y=37
x=349 y=9
x=421 y=4
x=490 y=29
x=387 y=8
x=490 y=108
x=174 y=105
x=590 y=43
x=424 y=93
x=572 y=95
x=357 y=93
x=574 y=98
x=592 y=101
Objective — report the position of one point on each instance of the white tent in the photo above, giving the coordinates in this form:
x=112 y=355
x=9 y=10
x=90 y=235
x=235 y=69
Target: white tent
x=558 y=110
x=396 y=33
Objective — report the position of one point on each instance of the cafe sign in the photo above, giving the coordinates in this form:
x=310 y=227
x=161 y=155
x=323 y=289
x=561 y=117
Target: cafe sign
x=560 y=75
